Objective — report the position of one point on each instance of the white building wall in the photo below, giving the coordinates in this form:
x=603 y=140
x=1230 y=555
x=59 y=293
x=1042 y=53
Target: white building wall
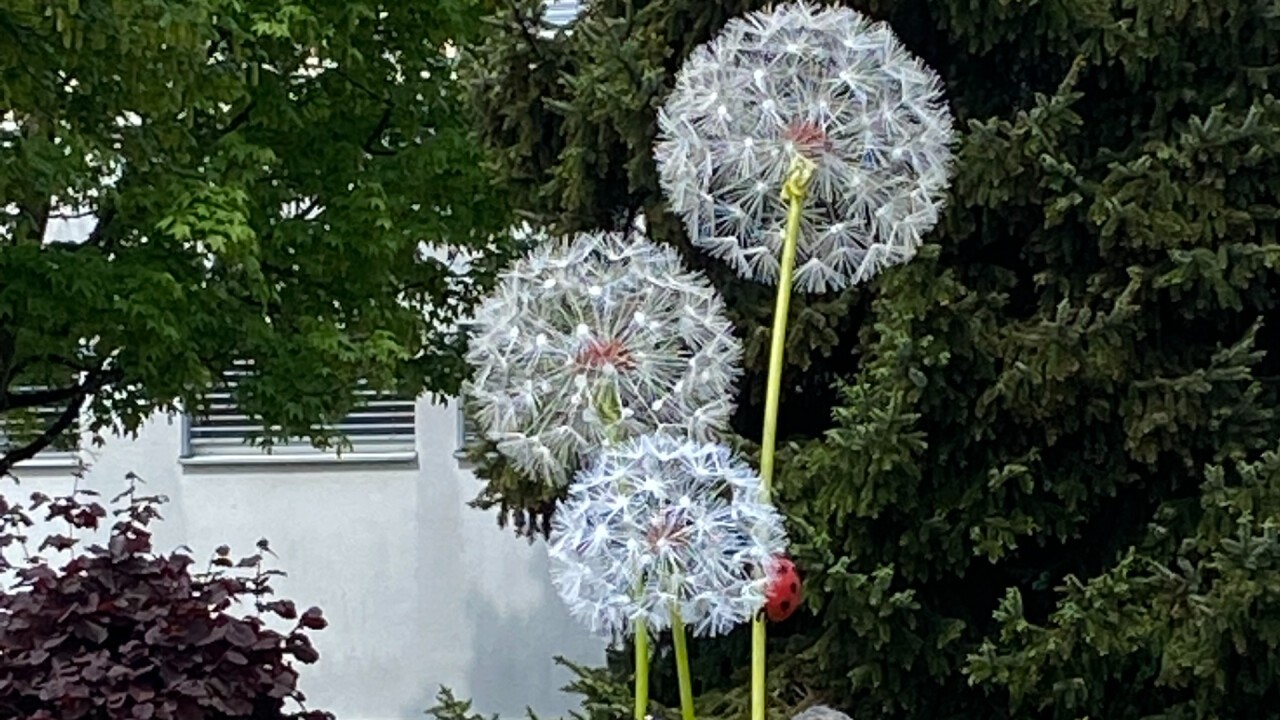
x=419 y=589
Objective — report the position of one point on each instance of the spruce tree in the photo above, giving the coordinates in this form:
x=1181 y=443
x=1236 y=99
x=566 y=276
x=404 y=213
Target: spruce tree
x=1034 y=472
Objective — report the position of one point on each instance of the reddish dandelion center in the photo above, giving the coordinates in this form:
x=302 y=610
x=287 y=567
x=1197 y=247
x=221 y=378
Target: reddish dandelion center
x=599 y=353
x=809 y=137
x=671 y=525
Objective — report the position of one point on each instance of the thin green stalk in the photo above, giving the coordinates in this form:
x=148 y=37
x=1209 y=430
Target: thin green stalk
x=642 y=670
x=682 y=666
x=794 y=191
x=757 y=668
x=610 y=408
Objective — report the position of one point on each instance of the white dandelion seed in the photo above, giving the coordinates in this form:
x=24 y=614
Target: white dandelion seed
x=595 y=339
x=825 y=83
x=660 y=524
x=821 y=712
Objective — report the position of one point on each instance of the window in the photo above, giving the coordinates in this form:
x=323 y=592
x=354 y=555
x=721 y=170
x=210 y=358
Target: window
x=379 y=428
x=466 y=431
x=19 y=427
x=559 y=13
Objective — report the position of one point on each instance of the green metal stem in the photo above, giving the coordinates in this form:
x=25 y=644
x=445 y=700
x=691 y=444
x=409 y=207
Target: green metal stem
x=642 y=670
x=682 y=666
x=794 y=191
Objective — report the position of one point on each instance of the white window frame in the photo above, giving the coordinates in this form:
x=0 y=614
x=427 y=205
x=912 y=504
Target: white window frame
x=225 y=436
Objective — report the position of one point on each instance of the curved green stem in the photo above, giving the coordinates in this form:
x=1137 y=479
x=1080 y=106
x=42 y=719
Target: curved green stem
x=794 y=191
x=642 y=670
x=682 y=666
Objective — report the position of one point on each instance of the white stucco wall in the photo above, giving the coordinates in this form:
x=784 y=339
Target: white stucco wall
x=419 y=589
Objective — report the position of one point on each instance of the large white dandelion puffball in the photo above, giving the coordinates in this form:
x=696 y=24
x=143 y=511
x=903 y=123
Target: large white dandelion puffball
x=827 y=84
x=662 y=524
x=591 y=340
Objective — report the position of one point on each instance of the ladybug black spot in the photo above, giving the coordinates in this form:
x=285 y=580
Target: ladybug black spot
x=794 y=588
x=785 y=605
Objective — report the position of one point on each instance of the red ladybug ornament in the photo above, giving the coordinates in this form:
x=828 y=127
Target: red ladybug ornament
x=784 y=591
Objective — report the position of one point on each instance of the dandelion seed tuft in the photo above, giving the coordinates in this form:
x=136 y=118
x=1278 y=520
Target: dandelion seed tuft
x=593 y=339
x=661 y=523
x=825 y=83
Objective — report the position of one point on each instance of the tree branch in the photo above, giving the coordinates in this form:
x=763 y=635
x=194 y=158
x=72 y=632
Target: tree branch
x=239 y=120
x=384 y=122
x=522 y=21
x=93 y=383
x=99 y=233
x=39 y=217
x=19 y=367
x=359 y=85
x=46 y=438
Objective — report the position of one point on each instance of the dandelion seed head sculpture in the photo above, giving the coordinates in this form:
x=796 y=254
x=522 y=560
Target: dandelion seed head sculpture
x=594 y=339
x=660 y=524
x=825 y=83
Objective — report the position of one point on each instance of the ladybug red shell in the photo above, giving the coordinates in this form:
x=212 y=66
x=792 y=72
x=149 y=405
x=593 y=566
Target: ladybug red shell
x=784 y=591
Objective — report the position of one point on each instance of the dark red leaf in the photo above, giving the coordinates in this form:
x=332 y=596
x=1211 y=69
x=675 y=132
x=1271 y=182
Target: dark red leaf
x=313 y=619
x=194 y=632
x=57 y=542
x=88 y=517
x=188 y=711
x=120 y=633
x=91 y=631
x=154 y=635
x=284 y=608
x=192 y=688
x=301 y=648
x=240 y=634
x=216 y=634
